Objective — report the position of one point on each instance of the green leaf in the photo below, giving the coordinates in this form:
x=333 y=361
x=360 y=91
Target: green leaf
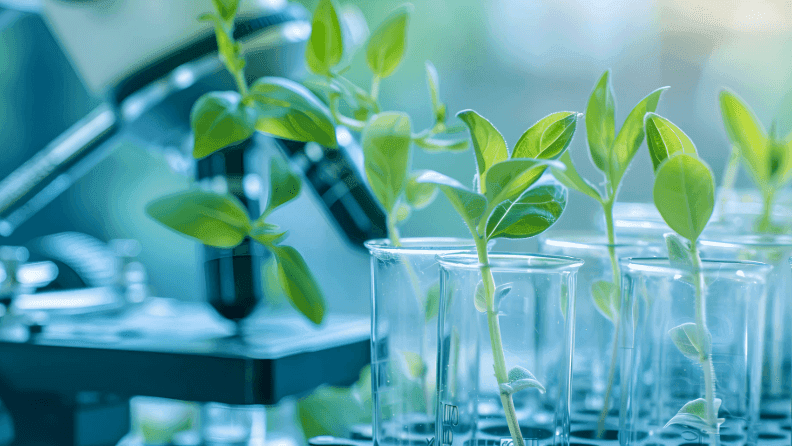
x=402 y=211
x=332 y=410
x=288 y=110
x=665 y=139
x=606 y=299
x=385 y=48
x=386 y=151
x=746 y=132
x=415 y=365
x=468 y=204
x=692 y=341
x=220 y=119
x=267 y=234
x=508 y=179
x=530 y=214
x=631 y=135
x=520 y=379
x=679 y=251
x=480 y=297
x=213 y=219
x=432 y=305
x=419 y=195
x=571 y=179
x=227 y=9
x=694 y=414
x=488 y=143
x=433 y=81
x=284 y=184
x=299 y=283
x=443 y=143
x=684 y=194
x=600 y=123
x=326 y=44
x=548 y=138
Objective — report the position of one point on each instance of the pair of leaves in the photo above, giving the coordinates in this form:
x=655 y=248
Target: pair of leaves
x=684 y=189
x=606 y=299
x=693 y=341
x=694 y=414
x=520 y=379
x=276 y=106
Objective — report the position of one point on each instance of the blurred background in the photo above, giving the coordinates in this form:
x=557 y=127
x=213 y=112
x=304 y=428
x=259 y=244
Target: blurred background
x=512 y=61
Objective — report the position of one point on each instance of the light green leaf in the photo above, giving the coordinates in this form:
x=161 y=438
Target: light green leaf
x=480 y=297
x=332 y=410
x=606 y=299
x=326 y=44
x=402 y=211
x=692 y=341
x=386 y=46
x=679 y=251
x=288 y=110
x=267 y=234
x=227 y=9
x=520 y=379
x=746 y=132
x=665 y=139
x=415 y=365
x=468 y=204
x=694 y=414
x=488 y=143
x=508 y=179
x=220 y=119
x=433 y=81
x=530 y=214
x=432 y=301
x=213 y=219
x=419 y=195
x=684 y=194
x=571 y=179
x=386 y=151
x=284 y=184
x=548 y=138
x=443 y=143
x=631 y=135
x=299 y=283
x=600 y=123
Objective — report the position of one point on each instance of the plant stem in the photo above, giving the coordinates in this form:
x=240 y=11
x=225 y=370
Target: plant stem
x=350 y=123
x=241 y=83
x=498 y=358
x=616 y=274
x=764 y=224
x=375 y=82
x=706 y=363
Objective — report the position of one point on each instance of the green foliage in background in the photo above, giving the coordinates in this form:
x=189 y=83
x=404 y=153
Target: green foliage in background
x=766 y=156
x=333 y=410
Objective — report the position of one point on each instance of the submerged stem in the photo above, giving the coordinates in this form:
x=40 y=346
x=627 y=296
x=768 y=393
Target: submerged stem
x=616 y=274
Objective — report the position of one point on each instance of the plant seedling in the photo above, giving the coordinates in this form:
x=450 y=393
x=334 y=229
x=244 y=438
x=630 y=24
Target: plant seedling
x=612 y=154
x=510 y=201
x=765 y=156
x=684 y=194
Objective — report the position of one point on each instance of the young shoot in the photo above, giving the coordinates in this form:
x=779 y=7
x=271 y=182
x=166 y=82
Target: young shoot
x=611 y=154
x=509 y=201
x=766 y=157
x=684 y=194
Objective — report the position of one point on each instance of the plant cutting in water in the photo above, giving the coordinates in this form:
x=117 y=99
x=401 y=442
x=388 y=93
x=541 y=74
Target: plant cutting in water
x=765 y=156
x=684 y=194
x=611 y=154
x=509 y=201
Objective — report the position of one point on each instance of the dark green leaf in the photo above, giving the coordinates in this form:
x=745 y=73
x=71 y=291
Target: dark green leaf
x=419 y=195
x=694 y=414
x=631 y=135
x=508 y=179
x=432 y=302
x=488 y=143
x=746 y=132
x=386 y=45
x=326 y=44
x=684 y=194
x=548 y=138
x=571 y=179
x=213 y=219
x=692 y=341
x=227 y=9
x=386 y=151
x=606 y=299
x=532 y=213
x=284 y=184
x=665 y=139
x=288 y=110
x=267 y=234
x=600 y=123
x=433 y=81
x=299 y=283
x=470 y=205
x=220 y=119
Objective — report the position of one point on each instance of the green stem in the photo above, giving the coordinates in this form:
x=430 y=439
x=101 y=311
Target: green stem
x=350 y=123
x=375 y=83
x=706 y=362
x=241 y=83
x=765 y=224
x=616 y=274
x=498 y=357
